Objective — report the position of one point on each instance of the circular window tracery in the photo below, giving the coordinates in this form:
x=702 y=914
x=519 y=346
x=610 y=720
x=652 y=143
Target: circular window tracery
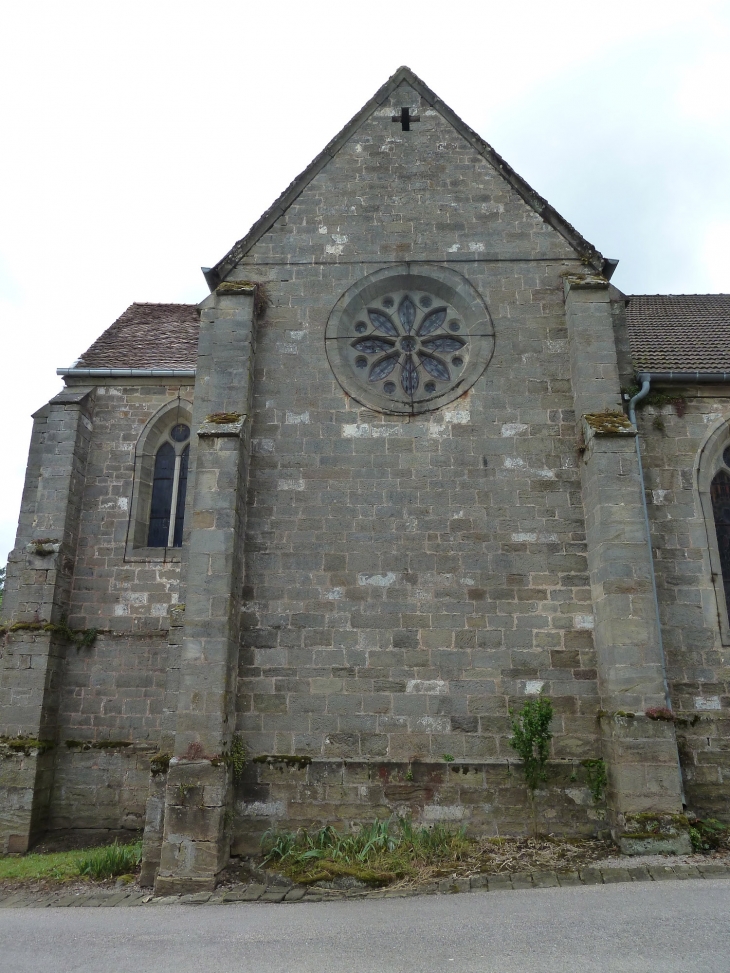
x=402 y=342
x=180 y=432
x=410 y=344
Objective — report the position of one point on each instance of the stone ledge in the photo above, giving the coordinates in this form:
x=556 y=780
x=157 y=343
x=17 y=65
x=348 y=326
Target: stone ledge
x=501 y=882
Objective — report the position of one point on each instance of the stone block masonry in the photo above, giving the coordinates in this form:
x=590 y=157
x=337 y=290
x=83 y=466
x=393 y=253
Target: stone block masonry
x=196 y=840
x=408 y=580
x=642 y=757
x=69 y=562
x=365 y=598
x=40 y=574
x=682 y=450
x=118 y=586
x=483 y=796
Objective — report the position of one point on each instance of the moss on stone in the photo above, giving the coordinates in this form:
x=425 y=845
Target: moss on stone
x=12 y=746
x=160 y=762
x=291 y=760
x=611 y=422
x=224 y=418
x=261 y=300
x=98 y=744
x=82 y=637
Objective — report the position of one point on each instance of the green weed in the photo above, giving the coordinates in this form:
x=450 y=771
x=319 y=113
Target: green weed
x=709 y=835
x=531 y=738
x=116 y=859
x=597 y=778
x=377 y=853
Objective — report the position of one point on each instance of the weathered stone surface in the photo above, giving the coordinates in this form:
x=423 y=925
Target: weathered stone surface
x=612 y=875
x=591 y=876
x=374 y=592
x=679 y=844
x=545 y=880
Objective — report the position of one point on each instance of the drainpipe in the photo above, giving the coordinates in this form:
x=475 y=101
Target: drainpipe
x=645 y=379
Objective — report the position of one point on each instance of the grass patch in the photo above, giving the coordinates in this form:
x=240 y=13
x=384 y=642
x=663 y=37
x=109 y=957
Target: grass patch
x=397 y=853
x=59 y=867
x=64 y=866
x=116 y=859
x=377 y=854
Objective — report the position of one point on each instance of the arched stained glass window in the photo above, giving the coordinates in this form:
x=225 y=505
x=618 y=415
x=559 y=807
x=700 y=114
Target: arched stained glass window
x=720 y=495
x=162 y=496
x=181 y=491
x=169 y=486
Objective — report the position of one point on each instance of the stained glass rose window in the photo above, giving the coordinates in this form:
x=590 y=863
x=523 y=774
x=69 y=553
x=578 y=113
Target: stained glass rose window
x=409 y=343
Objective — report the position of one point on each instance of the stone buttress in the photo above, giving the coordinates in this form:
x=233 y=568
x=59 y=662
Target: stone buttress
x=40 y=572
x=640 y=753
x=197 y=815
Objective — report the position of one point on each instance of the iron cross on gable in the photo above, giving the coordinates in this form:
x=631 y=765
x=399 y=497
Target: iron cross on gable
x=405 y=118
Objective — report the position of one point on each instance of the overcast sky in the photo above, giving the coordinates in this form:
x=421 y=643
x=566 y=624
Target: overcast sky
x=142 y=139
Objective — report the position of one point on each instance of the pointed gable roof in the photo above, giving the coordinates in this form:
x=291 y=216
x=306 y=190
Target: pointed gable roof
x=586 y=250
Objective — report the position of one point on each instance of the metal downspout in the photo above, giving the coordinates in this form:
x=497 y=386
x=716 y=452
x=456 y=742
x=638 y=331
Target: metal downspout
x=641 y=394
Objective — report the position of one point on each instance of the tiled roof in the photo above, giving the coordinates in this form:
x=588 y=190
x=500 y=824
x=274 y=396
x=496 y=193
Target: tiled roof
x=148 y=336
x=679 y=332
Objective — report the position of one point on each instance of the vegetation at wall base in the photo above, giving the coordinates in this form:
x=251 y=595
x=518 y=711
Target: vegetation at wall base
x=531 y=738
x=96 y=864
x=398 y=853
x=709 y=835
x=376 y=854
x=113 y=860
x=597 y=775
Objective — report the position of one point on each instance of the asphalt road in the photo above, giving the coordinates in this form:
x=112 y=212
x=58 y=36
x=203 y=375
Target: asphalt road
x=667 y=927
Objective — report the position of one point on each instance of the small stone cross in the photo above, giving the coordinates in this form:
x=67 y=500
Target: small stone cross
x=405 y=118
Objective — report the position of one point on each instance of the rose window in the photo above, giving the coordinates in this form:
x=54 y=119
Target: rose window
x=408 y=343
x=409 y=346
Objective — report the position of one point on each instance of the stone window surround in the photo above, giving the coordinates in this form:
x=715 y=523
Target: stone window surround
x=151 y=438
x=709 y=461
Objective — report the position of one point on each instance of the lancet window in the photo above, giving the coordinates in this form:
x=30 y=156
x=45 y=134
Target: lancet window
x=720 y=496
x=169 y=485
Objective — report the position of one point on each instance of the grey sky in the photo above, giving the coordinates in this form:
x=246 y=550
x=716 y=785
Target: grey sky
x=142 y=139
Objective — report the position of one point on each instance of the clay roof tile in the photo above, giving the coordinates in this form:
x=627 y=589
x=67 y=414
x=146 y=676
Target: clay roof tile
x=148 y=336
x=679 y=332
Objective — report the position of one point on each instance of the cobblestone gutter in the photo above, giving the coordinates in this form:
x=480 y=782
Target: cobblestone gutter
x=127 y=898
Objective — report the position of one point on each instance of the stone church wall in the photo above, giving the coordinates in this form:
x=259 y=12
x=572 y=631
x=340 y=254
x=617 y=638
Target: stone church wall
x=114 y=691
x=110 y=722
x=115 y=587
x=410 y=580
x=482 y=796
x=698 y=676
